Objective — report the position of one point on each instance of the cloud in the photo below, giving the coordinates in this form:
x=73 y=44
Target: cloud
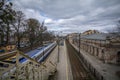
x=72 y=15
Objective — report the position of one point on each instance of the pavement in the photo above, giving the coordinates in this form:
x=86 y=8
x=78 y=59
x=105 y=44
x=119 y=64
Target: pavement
x=108 y=71
x=62 y=65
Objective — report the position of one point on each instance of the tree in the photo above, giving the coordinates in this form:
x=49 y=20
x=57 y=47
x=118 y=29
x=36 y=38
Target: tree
x=19 y=26
x=118 y=27
x=48 y=36
x=6 y=16
x=32 y=30
x=116 y=30
x=42 y=31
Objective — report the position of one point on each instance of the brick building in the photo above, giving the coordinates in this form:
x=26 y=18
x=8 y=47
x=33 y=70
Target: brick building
x=103 y=46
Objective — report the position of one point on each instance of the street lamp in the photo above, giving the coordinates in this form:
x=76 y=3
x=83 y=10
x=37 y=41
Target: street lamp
x=58 y=42
x=42 y=39
x=79 y=42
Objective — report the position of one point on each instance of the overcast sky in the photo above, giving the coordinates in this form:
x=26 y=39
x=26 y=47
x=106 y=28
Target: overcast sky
x=72 y=15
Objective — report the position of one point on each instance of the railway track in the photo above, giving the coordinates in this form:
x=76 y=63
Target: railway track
x=78 y=71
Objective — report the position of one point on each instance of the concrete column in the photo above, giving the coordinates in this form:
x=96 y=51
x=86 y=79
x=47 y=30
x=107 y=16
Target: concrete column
x=91 y=49
x=99 y=53
x=95 y=49
x=84 y=47
x=88 y=49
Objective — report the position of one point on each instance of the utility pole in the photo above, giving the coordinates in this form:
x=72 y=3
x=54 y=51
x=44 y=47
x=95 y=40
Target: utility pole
x=58 y=48
x=42 y=40
x=79 y=42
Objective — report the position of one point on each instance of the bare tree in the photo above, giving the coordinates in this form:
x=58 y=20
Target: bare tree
x=6 y=16
x=115 y=32
x=42 y=31
x=19 y=25
x=118 y=27
x=32 y=30
x=48 y=36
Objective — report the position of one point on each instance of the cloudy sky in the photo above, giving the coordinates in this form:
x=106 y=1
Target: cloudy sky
x=72 y=15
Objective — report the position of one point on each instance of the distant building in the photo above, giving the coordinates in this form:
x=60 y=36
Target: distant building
x=88 y=32
x=103 y=46
x=72 y=36
x=8 y=47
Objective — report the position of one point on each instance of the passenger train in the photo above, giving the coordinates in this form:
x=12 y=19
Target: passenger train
x=39 y=55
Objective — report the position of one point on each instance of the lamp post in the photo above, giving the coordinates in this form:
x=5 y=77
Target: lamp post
x=42 y=39
x=58 y=41
x=42 y=46
x=79 y=42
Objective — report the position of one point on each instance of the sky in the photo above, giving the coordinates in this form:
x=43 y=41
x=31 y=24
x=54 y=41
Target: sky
x=69 y=16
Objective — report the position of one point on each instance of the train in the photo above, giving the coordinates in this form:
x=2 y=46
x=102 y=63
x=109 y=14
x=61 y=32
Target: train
x=40 y=54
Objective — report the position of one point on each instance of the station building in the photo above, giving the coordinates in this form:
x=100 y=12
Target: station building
x=103 y=46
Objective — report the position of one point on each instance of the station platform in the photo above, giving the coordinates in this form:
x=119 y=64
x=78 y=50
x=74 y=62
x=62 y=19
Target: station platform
x=108 y=71
x=61 y=61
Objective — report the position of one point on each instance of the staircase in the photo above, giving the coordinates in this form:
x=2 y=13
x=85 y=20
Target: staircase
x=29 y=70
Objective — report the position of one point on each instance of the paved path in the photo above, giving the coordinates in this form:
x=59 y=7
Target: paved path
x=63 y=65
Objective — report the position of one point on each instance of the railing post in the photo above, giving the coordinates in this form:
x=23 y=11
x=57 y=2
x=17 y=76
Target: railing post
x=27 y=73
x=38 y=74
x=17 y=65
x=41 y=74
x=33 y=70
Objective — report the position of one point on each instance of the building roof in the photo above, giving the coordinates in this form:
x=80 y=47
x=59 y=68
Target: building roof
x=100 y=36
x=90 y=32
x=97 y=36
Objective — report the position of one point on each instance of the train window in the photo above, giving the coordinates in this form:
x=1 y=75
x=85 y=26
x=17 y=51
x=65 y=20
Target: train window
x=4 y=65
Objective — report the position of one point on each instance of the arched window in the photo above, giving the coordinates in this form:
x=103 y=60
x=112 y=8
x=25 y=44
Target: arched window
x=118 y=57
x=103 y=56
x=97 y=51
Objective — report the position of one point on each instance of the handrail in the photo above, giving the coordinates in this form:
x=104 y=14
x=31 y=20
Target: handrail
x=26 y=56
